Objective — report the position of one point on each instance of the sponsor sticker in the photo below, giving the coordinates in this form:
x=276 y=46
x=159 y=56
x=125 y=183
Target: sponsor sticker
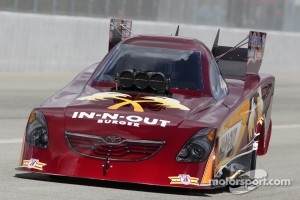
x=117 y=119
x=228 y=140
x=184 y=179
x=33 y=164
x=126 y=100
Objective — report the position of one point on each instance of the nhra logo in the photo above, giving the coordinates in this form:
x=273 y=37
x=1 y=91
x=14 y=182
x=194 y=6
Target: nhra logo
x=164 y=102
x=33 y=164
x=184 y=179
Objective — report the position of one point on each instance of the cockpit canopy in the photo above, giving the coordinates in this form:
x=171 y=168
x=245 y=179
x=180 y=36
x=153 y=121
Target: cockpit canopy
x=182 y=68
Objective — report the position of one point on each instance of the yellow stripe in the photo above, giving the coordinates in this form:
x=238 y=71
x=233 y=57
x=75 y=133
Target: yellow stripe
x=208 y=173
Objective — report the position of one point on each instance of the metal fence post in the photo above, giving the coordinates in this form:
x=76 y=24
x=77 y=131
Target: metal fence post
x=72 y=7
x=107 y=7
x=35 y=6
x=54 y=6
x=16 y=5
x=90 y=7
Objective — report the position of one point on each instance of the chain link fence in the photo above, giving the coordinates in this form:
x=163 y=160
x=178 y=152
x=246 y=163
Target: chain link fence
x=257 y=14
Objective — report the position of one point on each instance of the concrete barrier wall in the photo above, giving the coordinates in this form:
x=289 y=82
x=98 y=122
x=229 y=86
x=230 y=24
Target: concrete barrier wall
x=32 y=42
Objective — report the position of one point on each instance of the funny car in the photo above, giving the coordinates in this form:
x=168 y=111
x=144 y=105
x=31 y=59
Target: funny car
x=157 y=110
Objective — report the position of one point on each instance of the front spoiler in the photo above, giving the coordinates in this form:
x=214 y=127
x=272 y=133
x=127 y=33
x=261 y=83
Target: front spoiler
x=201 y=186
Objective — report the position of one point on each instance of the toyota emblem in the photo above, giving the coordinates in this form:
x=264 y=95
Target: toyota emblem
x=113 y=139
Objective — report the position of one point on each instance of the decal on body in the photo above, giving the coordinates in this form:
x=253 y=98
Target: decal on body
x=136 y=104
x=33 y=164
x=237 y=120
x=117 y=119
x=244 y=120
x=228 y=140
x=256 y=113
x=184 y=179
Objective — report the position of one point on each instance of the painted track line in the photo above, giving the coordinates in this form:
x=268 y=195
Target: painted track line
x=285 y=126
x=10 y=141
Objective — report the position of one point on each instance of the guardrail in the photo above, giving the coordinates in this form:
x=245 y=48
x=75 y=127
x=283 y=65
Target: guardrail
x=31 y=42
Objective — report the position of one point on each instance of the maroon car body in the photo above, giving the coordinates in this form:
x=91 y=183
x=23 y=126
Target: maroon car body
x=184 y=137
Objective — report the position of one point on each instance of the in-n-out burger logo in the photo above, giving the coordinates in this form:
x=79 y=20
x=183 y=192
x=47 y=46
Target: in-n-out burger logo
x=125 y=100
x=130 y=120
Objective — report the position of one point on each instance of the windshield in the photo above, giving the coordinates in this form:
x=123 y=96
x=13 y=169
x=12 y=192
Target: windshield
x=181 y=67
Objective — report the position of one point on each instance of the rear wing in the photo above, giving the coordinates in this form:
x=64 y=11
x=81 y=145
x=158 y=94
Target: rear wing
x=236 y=62
x=118 y=30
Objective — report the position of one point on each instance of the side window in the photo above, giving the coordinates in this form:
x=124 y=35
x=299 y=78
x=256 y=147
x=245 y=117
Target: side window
x=218 y=85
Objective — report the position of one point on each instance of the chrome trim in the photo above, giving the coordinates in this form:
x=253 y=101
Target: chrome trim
x=125 y=140
x=236 y=174
x=161 y=143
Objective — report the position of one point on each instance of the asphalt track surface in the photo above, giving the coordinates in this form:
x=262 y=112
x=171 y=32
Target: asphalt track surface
x=20 y=92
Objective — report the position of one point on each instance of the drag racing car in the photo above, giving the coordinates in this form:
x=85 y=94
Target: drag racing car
x=157 y=110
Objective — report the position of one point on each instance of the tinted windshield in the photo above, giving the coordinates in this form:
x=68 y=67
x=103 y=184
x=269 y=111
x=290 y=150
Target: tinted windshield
x=181 y=67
